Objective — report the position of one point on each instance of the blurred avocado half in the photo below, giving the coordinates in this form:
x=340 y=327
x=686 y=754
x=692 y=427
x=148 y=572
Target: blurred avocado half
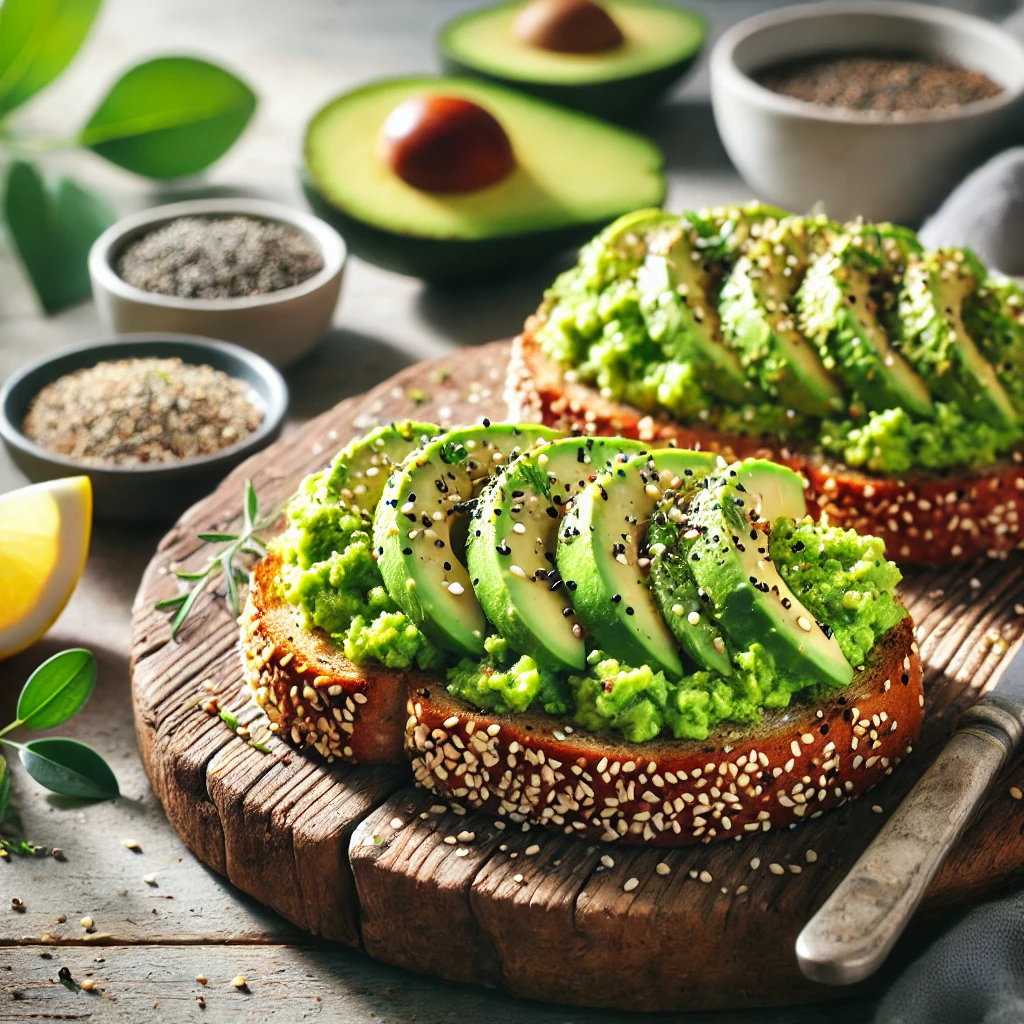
x=452 y=180
x=614 y=59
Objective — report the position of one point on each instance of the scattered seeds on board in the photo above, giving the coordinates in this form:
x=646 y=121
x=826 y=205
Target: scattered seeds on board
x=630 y=884
x=877 y=808
x=397 y=823
x=238 y=981
x=755 y=863
x=662 y=868
x=88 y=924
x=607 y=861
x=776 y=869
x=88 y=984
x=133 y=845
x=149 y=879
x=741 y=889
x=705 y=877
x=811 y=856
x=1016 y=793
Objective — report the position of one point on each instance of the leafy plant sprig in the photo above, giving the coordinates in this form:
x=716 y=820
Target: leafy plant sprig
x=222 y=564
x=164 y=118
x=56 y=691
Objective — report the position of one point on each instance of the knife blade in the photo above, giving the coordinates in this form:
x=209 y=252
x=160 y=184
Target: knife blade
x=851 y=935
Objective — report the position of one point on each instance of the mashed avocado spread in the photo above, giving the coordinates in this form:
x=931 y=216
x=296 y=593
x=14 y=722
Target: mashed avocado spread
x=843 y=578
x=595 y=327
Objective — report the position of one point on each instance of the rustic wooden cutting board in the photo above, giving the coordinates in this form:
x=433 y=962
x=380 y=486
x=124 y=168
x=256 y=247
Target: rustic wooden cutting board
x=360 y=856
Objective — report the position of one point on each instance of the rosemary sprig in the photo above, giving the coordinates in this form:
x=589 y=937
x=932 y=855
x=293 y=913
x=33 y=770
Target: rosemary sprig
x=224 y=563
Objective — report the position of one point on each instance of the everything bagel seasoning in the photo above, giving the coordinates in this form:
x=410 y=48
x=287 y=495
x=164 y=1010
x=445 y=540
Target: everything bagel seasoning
x=130 y=412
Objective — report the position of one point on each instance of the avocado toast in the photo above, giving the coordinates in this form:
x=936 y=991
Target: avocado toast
x=645 y=645
x=890 y=377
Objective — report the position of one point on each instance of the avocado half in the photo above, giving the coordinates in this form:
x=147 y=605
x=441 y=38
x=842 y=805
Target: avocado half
x=573 y=175
x=660 y=44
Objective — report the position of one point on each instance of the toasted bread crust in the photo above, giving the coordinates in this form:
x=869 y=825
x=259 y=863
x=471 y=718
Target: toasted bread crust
x=314 y=696
x=796 y=763
x=924 y=518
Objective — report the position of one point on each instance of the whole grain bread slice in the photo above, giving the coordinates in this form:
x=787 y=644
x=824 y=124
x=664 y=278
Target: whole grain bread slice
x=924 y=518
x=796 y=763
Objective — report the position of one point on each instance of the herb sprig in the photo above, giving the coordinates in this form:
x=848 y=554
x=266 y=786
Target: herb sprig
x=56 y=691
x=222 y=564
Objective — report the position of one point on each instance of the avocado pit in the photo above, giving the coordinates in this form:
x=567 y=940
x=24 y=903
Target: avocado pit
x=567 y=26
x=445 y=144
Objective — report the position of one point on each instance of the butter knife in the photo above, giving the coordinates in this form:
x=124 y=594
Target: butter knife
x=850 y=936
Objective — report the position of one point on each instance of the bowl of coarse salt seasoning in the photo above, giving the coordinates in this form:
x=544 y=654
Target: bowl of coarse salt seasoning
x=155 y=421
x=252 y=272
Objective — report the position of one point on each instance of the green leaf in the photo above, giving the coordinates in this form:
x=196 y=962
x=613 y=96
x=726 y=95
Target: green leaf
x=252 y=507
x=5 y=788
x=170 y=117
x=170 y=602
x=186 y=607
x=68 y=767
x=52 y=229
x=57 y=689
x=38 y=40
x=231 y=585
x=217 y=538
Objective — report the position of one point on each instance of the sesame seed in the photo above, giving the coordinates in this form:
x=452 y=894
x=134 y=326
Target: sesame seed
x=662 y=868
x=741 y=889
x=149 y=879
x=755 y=863
x=518 y=528
x=804 y=623
x=132 y=844
x=1016 y=793
x=693 y=618
x=87 y=923
x=88 y=984
x=517 y=878
x=705 y=877
x=397 y=823
x=811 y=856
x=607 y=861
x=466 y=836
x=532 y=851
x=877 y=808
x=451 y=722
x=517 y=570
x=776 y=869
x=238 y=981
x=630 y=884
x=456 y=589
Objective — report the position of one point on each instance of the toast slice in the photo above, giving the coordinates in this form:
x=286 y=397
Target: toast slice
x=796 y=763
x=924 y=518
x=313 y=695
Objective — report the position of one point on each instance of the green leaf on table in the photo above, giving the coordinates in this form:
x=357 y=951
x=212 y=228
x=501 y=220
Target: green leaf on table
x=70 y=768
x=170 y=117
x=38 y=40
x=52 y=228
x=57 y=689
x=5 y=788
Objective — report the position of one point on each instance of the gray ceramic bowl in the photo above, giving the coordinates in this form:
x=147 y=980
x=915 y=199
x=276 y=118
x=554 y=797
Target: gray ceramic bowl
x=150 y=493
x=797 y=154
x=281 y=326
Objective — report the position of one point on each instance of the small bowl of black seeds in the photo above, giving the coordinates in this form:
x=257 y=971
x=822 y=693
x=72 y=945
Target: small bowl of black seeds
x=866 y=108
x=155 y=421
x=256 y=273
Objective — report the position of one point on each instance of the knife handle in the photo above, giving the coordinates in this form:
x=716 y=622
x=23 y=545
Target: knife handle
x=857 y=926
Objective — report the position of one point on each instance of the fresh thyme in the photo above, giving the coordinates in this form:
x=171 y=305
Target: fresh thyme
x=222 y=564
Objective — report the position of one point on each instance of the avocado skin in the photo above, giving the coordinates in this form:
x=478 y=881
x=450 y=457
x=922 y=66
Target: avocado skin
x=447 y=261
x=623 y=100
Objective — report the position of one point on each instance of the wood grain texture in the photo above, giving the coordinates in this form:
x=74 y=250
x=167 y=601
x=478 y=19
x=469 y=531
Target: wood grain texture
x=531 y=912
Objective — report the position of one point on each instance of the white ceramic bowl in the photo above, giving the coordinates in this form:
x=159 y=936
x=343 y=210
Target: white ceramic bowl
x=281 y=326
x=796 y=154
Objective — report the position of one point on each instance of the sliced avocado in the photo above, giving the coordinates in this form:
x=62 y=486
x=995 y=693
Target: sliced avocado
x=510 y=551
x=621 y=83
x=600 y=556
x=680 y=315
x=758 y=314
x=936 y=342
x=751 y=602
x=774 y=491
x=424 y=499
x=840 y=311
x=361 y=469
x=994 y=318
x=722 y=233
x=573 y=175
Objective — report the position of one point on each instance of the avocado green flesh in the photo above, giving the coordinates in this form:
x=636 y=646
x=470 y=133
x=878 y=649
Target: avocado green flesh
x=656 y=36
x=749 y=599
x=599 y=544
x=994 y=318
x=938 y=345
x=770 y=491
x=570 y=169
x=511 y=549
x=839 y=313
x=682 y=317
x=361 y=469
x=758 y=311
x=413 y=527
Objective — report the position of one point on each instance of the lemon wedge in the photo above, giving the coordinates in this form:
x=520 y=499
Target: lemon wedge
x=44 y=541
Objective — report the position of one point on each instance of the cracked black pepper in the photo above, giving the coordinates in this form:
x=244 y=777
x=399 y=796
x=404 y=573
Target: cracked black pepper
x=220 y=258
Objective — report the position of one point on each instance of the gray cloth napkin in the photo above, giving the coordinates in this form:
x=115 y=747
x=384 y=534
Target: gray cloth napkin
x=985 y=212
